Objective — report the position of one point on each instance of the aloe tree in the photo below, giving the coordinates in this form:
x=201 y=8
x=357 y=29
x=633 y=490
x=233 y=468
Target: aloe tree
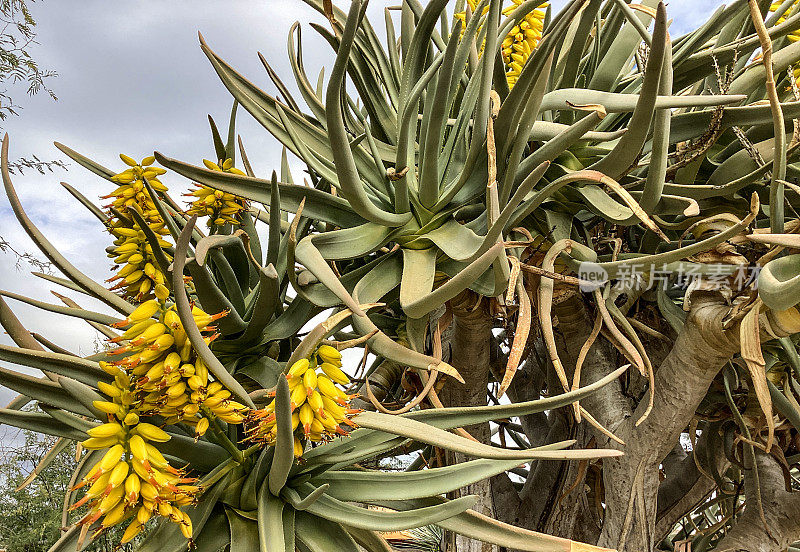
x=572 y=210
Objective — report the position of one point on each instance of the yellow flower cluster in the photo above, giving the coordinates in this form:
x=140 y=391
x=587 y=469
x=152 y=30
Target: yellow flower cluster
x=170 y=379
x=794 y=36
x=139 y=276
x=133 y=480
x=221 y=207
x=319 y=406
x=520 y=42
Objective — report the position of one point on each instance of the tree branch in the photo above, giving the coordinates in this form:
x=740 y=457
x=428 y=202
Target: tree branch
x=781 y=510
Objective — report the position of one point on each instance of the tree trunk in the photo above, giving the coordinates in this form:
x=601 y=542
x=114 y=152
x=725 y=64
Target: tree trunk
x=469 y=347
x=781 y=511
x=631 y=482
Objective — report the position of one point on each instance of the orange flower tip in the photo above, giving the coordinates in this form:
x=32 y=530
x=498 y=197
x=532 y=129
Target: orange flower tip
x=306 y=429
x=80 y=503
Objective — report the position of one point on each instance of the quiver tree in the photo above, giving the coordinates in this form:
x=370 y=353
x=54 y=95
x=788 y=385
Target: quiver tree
x=541 y=228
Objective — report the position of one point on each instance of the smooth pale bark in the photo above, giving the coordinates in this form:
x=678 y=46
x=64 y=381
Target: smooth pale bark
x=469 y=354
x=631 y=482
x=781 y=511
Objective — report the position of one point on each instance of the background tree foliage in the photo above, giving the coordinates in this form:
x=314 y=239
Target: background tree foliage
x=31 y=516
x=17 y=35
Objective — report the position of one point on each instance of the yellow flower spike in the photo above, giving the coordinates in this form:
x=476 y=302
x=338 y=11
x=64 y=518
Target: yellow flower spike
x=316 y=426
x=186 y=351
x=99 y=486
x=327 y=387
x=111 y=458
x=310 y=381
x=118 y=474
x=329 y=354
x=306 y=416
x=148 y=491
x=107 y=407
x=143 y=515
x=211 y=165
x=328 y=423
x=236 y=406
x=176 y=389
x=187 y=370
x=298 y=396
x=111 y=499
x=172 y=362
x=315 y=400
x=194 y=382
x=334 y=409
x=146 y=476
x=186 y=529
x=108 y=389
x=161 y=292
x=202 y=427
x=335 y=373
x=143 y=311
x=150 y=432
x=135 y=330
x=114 y=516
x=217 y=398
x=151 y=333
x=133 y=485
x=130 y=161
x=106 y=430
x=138 y=448
x=163 y=342
x=131 y=531
x=171 y=379
x=232 y=418
x=155 y=457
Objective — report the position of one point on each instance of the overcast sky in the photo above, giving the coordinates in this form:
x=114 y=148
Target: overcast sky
x=133 y=79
